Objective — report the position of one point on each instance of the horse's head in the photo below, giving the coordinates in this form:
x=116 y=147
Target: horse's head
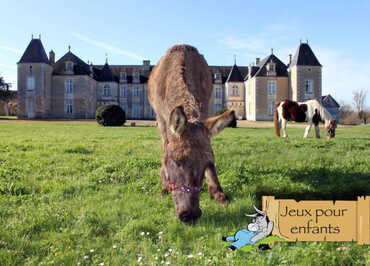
x=330 y=127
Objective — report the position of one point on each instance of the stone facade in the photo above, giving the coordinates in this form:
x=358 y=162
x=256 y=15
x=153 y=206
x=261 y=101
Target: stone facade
x=73 y=89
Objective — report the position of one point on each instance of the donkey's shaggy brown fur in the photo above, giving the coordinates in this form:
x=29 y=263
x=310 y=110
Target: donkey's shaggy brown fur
x=179 y=88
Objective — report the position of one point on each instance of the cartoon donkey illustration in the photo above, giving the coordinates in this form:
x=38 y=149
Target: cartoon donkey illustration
x=260 y=228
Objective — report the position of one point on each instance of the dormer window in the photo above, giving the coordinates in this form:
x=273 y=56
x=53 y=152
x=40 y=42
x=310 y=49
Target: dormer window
x=123 y=76
x=69 y=66
x=271 y=68
x=136 y=77
x=217 y=76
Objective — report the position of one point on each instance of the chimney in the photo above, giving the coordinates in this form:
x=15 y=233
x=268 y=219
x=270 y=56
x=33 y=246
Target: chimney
x=289 y=59
x=52 y=57
x=91 y=69
x=249 y=72
x=257 y=61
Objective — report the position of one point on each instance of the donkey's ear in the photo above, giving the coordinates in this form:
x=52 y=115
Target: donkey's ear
x=177 y=121
x=218 y=123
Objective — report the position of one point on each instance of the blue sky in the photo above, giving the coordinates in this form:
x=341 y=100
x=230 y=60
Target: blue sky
x=130 y=31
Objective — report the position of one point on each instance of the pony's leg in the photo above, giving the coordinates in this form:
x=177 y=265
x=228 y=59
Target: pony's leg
x=317 y=131
x=284 y=122
x=308 y=128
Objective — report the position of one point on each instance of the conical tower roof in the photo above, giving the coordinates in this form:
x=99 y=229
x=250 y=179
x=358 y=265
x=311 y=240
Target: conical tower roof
x=35 y=53
x=304 y=56
x=235 y=75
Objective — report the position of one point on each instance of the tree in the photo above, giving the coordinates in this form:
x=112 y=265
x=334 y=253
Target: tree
x=6 y=95
x=359 y=98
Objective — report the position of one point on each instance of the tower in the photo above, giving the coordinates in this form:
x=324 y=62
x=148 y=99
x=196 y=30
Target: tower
x=235 y=92
x=34 y=82
x=305 y=75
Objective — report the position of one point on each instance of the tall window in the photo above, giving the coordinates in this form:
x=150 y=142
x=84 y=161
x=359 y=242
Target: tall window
x=124 y=107
x=68 y=106
x=218 y=107
x=234 y=91
x=218 y=93
x=217 y=76
x=106 y=90
x=30 y=83
x=68 y=85
x=123 y=92
x=270 y=107
x=271 y=87
x=136 y=112
x=308 y=86
x=136 y=92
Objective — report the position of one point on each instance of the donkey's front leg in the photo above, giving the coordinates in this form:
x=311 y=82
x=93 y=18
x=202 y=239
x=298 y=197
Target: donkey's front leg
x=214 y=187
x=308 y=128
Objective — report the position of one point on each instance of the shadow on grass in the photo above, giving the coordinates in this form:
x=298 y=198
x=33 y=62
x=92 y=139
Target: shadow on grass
x=327 y=185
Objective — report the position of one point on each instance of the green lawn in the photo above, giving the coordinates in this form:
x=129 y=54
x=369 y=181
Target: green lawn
x=74 y=190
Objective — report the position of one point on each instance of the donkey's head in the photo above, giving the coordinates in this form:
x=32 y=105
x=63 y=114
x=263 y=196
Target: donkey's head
x=188 y=157
x=330 y=127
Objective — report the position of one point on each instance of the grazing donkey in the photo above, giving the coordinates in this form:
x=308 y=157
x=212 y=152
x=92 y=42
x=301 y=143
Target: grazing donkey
x=311 y=111
x=179 y=89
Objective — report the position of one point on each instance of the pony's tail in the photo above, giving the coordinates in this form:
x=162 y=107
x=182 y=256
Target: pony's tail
x=276 y=120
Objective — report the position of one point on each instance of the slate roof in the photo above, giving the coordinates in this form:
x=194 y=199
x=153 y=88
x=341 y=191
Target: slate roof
x=280 y=67
x=105 y=74
x=79 y=66
x=304 y=56
x=226 y=70
x=235 y=75
x=35 y=53
x=328 y=101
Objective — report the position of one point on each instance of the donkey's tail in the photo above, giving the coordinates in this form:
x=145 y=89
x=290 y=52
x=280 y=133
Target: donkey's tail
x=276 y=120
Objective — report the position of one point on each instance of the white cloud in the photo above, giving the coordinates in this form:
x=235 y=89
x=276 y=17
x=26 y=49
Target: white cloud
x=107 y=47
x=11 y=49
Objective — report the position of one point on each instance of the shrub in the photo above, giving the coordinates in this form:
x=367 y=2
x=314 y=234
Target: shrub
x=110 y=115
x=232 y=123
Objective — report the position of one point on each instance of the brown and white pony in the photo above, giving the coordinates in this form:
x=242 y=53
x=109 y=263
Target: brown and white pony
x=310 y=111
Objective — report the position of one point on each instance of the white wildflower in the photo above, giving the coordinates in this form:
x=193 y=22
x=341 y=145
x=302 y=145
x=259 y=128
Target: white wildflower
x=139 y=259
x=170 y=250
x=158 y=249
x=114 y=246
x=200 y=253
x=156 y=258
x=162 y=261
x=160 y=233
x=147 y=233
x=86 y=257
x=167 y=262
x=190 y=256
x=92 y=250
x=142 y=233
x=166 y=254
x=101 y=264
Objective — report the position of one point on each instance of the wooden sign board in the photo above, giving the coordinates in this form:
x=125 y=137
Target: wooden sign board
x=319 y=220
